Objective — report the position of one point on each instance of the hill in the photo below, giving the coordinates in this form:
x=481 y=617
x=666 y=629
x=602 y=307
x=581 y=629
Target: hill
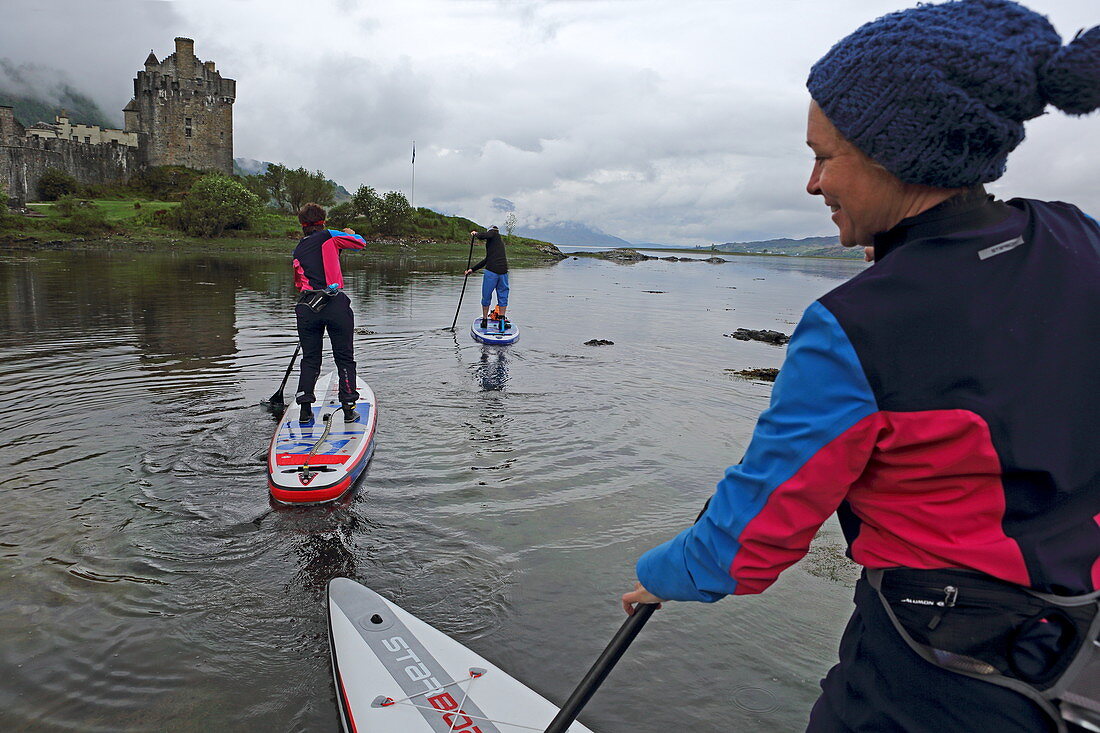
x=81 y=109
x=570 y=233
x=807 y=247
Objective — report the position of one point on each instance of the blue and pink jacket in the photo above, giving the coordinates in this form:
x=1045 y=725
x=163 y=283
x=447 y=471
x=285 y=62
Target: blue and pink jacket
x=945 y=403
x=317 y=258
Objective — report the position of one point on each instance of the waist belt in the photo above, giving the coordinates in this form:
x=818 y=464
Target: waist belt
x=970 y=623
x=316 y=300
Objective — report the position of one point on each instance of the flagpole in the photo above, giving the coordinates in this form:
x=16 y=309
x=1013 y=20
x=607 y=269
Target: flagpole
x=412 y=196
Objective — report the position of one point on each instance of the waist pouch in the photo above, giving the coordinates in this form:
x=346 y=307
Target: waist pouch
x=316 y=300
x=973 y=624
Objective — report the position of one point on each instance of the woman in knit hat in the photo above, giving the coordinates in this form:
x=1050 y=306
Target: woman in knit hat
x=943 y=402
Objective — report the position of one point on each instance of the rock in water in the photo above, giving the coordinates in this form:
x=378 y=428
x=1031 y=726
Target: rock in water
x=599 y=342
x=765 y=374
x=624 y=254
x=769 y=337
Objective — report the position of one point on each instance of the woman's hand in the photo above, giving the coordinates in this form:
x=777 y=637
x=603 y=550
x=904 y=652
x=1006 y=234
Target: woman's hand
x=467 y=272
x=638 y=595
x=349 y=230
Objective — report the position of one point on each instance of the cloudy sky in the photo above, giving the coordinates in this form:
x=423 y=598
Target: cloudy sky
x=652 y=120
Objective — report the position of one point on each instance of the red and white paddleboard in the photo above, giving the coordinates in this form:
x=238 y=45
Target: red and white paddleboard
x=318 y=461
x=394 y=672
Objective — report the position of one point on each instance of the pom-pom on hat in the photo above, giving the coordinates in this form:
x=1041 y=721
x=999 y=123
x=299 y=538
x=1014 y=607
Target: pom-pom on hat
x=938 y=94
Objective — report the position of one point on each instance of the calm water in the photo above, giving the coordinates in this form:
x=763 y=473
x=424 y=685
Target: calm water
x=146 y=583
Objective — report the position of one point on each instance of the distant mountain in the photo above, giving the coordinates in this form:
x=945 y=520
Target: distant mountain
x=81 y=109
x=249 y=166
x=569 y=233
x=656 y=245
x=808 y=247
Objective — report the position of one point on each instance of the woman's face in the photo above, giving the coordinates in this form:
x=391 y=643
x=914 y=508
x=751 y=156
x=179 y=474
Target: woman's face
x=864 y=197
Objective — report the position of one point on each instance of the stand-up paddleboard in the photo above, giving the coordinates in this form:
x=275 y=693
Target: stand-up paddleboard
x=394 y=672
x=492 y=334
x=315 y=462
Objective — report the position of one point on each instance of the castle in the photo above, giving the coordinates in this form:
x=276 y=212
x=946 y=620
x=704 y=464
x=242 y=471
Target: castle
x=181 y=114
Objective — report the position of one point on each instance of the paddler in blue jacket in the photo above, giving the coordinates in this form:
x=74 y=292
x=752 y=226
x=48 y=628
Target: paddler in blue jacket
x=323 y=306
x=942 y=403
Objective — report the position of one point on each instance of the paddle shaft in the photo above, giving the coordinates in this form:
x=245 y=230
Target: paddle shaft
x=603 y=666
x=277 y=398
x=469 y=259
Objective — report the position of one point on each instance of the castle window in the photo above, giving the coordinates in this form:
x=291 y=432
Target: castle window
x=187 y=127
x=87 y=138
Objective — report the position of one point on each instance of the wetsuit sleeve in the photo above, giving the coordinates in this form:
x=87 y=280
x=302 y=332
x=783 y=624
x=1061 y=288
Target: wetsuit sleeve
x=807 y=449
x=300 y=280
x=342 y=240
x=481 y=235
x=479 y=265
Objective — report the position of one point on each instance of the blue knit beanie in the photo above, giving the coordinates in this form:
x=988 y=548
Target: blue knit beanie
x=938 y=94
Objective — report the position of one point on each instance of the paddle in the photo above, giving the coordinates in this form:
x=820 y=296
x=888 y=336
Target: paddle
x=603 y=666
x=276 y=401
x=469 y=259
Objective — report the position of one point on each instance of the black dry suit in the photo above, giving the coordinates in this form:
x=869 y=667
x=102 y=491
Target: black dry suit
x=317 y=268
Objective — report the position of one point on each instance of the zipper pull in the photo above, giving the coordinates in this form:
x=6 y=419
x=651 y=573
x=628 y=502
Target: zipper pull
x=950 y=595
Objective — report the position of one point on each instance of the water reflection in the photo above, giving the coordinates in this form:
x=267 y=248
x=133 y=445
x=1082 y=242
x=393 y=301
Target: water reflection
x=492 y=369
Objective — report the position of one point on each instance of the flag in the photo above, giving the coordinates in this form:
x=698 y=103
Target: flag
x=414 y=153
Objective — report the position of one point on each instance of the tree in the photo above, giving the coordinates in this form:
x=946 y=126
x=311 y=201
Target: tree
x=510 y=223
x=257 y=185
x=274 y=179
x=303 y=187
x=366 y=203
x=54 y=184
x=216 y=203
x=395 y=214
x=341 y=215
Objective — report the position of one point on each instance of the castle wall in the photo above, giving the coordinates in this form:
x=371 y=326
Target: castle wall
x=23 y=165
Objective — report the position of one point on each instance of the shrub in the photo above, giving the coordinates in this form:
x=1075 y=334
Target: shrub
x=166 y=182
x=85 y=218
x=66 y=205
x=54 y=184
x=217 y=203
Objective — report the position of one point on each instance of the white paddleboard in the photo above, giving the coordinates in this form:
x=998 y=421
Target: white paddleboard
x=396 y=674
x=492 y=334
x=306 y=465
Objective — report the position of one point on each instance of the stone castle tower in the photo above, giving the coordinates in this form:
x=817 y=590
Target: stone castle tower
x=182 y=111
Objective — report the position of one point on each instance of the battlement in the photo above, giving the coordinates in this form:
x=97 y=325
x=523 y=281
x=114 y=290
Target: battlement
x=182 y=74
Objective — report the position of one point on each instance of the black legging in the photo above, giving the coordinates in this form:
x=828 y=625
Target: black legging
x=340 y=322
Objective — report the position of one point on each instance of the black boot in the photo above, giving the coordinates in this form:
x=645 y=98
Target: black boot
x=306 y=415
x=484 y=322
x=350 y=415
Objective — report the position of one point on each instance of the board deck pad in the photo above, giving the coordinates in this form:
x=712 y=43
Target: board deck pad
x=333 y=464
x=492 y=334
x=394 y=672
